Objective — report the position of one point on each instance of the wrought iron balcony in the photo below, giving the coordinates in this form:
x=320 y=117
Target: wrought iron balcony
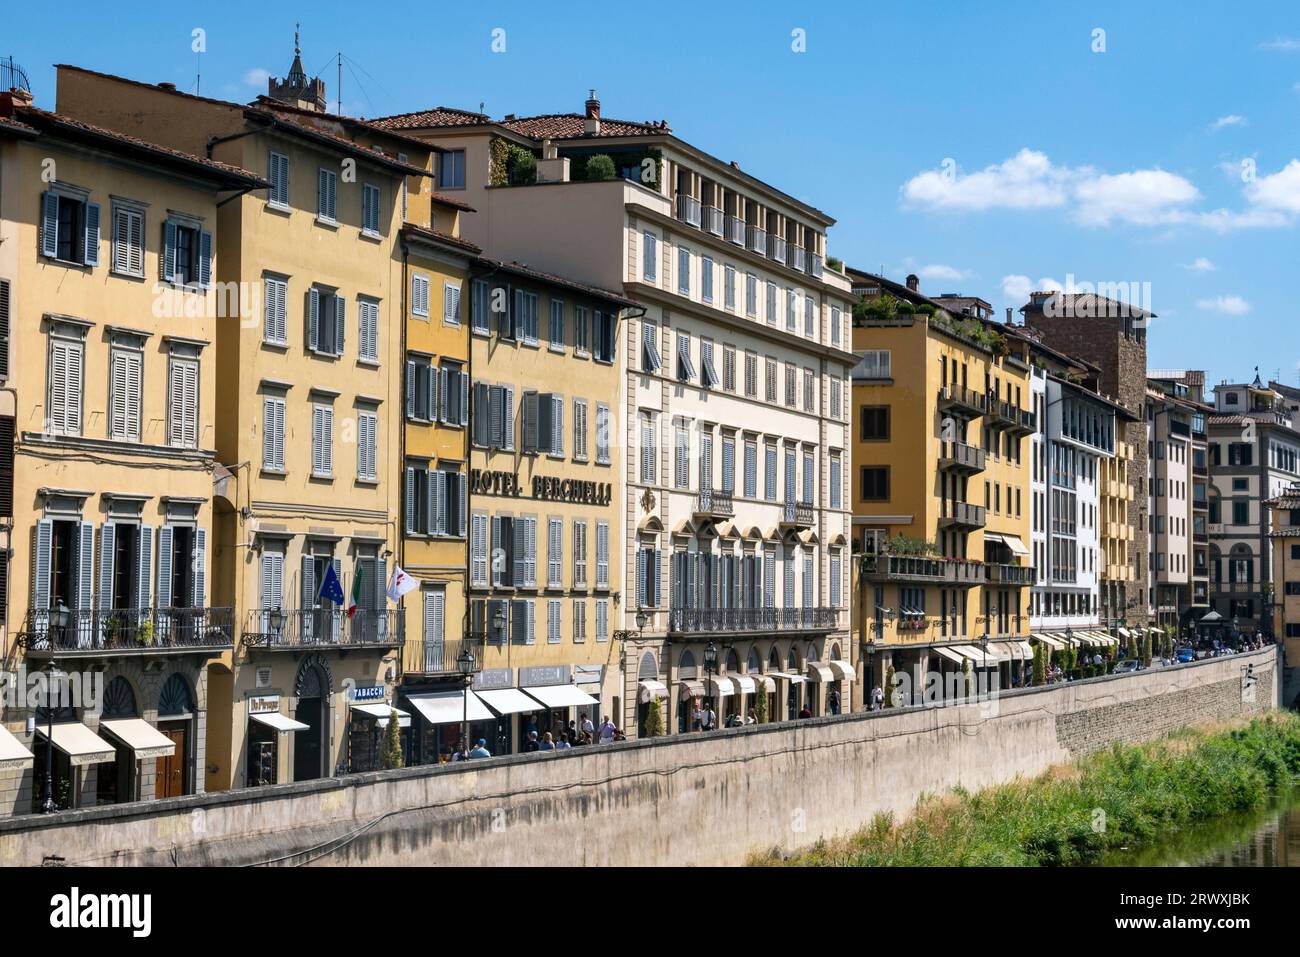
x=440 y=657
x=688 y=209
x=126 y=631
x=964 y=515
x=1010 y=416
x=961 y=457
x=735 y=230
x=1003 y=574
x=796 y=257
x=962 y=401
x=711 y=220
x=756 y=240
x=776 y=248
x=797 y=515
x=714 y=504
x=963 y=571
x=915 y=568
x=274 y=629
x=692 y=621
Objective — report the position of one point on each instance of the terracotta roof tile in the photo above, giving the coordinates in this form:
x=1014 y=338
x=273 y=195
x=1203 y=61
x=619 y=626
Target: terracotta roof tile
x=569 y=126
x=438 y=236
x=438 y=116
x=522 y=270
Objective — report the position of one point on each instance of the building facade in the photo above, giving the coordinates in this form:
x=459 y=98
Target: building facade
x=1284 y=536
x=109 y=252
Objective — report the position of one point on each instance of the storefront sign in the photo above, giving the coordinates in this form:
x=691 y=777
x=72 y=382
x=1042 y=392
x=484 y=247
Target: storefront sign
x=264 y=704
x=490 y=679
x=543 y=488
x=368 y=693
x=545 y=675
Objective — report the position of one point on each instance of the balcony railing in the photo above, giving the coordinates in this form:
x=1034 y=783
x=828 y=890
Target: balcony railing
x=964 y=401
x=711 y=220
x=688 y=209
x=815 y=267
x=323 y=628
x=1010 y=416
x=1010 y=574
x=756 y=239
x=127 y=630
x=965 y=515
x=796 y=257
x=1200 y=470
x=797 y=515
x=707 y=620
x=776 y=248
x=903 y=568
x=963 y=457
x=714 y=504
x=440 y=657
x=963 y=571
x=735 y=231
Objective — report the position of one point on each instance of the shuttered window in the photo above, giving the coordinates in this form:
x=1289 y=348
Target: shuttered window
x=602 y=434
x=277 y=169
x=367 y=437
x=602 y=620
x=66 y=367
x=479 y=305
x=275 y=327
x=368 y=330
x=479 y=550
x=326 y=194
x=602 y=554
x=649 y=257
x=6 y=471
x=554 y=552
x=126 y=372
x=128 y=241
x=648 y=450
x=322 y=441
x=579 y=553
x=451 y=303
x=420 y=295
x=580 y=426
x=4 y=329
x=183 y=403
x=273 y=434
x=751 y=469
x=370 y=209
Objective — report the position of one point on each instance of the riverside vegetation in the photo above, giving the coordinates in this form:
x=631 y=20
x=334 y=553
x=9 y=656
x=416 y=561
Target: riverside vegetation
x=1074 y=814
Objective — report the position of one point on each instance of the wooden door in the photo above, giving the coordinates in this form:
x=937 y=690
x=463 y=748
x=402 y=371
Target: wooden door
x=170 y=780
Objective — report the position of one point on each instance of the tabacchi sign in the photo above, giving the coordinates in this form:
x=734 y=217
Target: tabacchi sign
x=542 y=487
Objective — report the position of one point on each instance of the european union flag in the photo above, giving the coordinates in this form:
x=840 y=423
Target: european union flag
x=330 y=586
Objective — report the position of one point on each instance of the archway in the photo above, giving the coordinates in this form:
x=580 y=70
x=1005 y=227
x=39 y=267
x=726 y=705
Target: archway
x=312 y=688
x=117 y=781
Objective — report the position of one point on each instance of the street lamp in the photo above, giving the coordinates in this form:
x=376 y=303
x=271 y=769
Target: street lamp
x=52 y=674
x=465 y=665
x=710 y=663
x=499 y=622
x=60 y=621
x=275 y=618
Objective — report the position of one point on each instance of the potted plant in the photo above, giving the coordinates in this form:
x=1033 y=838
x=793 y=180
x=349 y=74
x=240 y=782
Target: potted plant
x=391 y=755
x=144 y=634
x=654 y=717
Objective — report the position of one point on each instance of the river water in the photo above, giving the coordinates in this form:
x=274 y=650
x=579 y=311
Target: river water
x=1269 y=838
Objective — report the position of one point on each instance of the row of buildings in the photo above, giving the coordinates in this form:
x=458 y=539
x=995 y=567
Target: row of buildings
x=512 y=423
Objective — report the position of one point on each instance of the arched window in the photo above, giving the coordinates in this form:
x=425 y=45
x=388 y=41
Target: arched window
x=686 y=669
x=649 y=668
x=774 y=660
x=119 y=699
x=175 y=698
x=1241 y=564
x=812 y=652
x=835 y=652
x=733 y=661
x=754 y=662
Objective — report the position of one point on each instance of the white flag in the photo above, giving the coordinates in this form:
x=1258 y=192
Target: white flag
x=401 y=583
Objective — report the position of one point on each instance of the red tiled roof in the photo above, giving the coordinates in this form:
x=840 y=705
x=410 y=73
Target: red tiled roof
x=438 y=236
x=446 y=200
x=527 y=271
x=438 y=116
x=280 y=106
x=569 y=126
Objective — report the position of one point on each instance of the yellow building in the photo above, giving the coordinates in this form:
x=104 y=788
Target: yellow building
x=1116 y=491
x=109 y=254
x=1284 y=536
x=309 y=415
x=941 y=411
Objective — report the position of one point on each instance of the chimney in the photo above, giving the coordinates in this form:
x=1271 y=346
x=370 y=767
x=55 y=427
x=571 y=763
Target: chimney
x=591 y=121
x=914 y=282
x=169 y=87
x=15 y=98
x=1008 y=315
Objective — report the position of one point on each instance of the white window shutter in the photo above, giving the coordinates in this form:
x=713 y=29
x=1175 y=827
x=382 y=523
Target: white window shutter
x=340 y=321
x=200 y=567
x=508 y=436
x=86 y=565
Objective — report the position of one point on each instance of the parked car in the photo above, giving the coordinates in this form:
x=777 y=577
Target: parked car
x=1128 y=666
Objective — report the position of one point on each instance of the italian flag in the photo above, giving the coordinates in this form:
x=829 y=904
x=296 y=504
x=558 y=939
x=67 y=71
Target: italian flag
x=356 y=592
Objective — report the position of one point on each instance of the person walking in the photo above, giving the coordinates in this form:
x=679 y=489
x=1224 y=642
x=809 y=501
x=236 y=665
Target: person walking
x=607 y=730
x=877 y=698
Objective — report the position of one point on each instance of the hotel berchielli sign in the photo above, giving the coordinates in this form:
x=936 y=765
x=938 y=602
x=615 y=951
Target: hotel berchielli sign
x=544 y=488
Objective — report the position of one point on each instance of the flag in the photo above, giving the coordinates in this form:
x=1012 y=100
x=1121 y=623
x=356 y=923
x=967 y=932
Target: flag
x=401 y=584
x=330 y=587
x=356 y=591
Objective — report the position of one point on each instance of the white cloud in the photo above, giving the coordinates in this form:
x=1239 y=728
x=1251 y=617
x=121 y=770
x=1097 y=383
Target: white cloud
x=1200 y=264
x=941 y=272
x=1277 y=191
x=1231 y=120
x=1144 y=197
x=1228 y=305
x=1026 y=181
x=257 y=76
x=1016 y=288
x=1282 y=45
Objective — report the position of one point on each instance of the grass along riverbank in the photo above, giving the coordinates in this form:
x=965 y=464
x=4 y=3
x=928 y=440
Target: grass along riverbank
x=1143 y=791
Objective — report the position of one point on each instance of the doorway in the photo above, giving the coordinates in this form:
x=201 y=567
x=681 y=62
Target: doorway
x=312 y=709
x=169 y=780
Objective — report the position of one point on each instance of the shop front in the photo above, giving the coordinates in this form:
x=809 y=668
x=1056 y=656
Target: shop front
x=268 y=729
x=369 y=714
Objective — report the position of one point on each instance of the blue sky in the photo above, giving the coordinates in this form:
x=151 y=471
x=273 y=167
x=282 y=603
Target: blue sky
x=986 y=146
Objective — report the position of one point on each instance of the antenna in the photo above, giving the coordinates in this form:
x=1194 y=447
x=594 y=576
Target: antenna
x=339 y=98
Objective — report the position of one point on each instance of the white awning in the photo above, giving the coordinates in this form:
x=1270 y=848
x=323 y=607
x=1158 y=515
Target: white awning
x=792 y=678
x=1010 y=650
x=997 y=652
x=1050 y=641
x=648 y=688
x=561 y=696
x=949 y=654
x=506 y=701
x=141 y=737
x=976 y=655
x=13 y=753
x=843 y=670
x=1011 y=541
x=1026 y=650
x=79 y=743
x=720 y=686
x=766 y=682
x=690 y=688
x=279 y=722
x=1125 y=632
x=450 y=707
x=820 y=672
x=744 y=684
x=383 y=713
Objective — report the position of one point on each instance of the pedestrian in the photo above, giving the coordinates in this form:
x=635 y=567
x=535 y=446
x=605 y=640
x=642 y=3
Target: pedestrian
x=710 y=719
x=697 y=718
x=572 y=730
x=480 y=750
x=805 y=711
x=607 y=730
x=532 y=744
x=547 y=743
x=587 y=727
x=619 y=735
x=877 y=698
x=531 y=730
x=563 y=744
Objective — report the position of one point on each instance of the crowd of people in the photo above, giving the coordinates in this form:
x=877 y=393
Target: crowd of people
x=579 y=732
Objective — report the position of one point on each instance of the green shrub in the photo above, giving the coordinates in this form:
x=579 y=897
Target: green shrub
x=600 y=167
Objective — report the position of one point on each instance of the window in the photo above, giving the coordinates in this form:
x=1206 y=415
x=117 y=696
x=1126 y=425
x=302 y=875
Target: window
x=751 y=375
x=837 y=321
x=327 y=313
x=791 y=309
x=370 y=209
x=771 y=303
x=521 y=622
x=273 y=435
x=835 y=480
x=126 y=370
x=478 y=549
x=580 y=553
x=4 y=329
x=526 y=316
x=451 y=169
x=647 y=448
x=326 y=190
x=769 y=473
x=367 y=436
x=809 y=317
x=835 y=580
x=581 y=342
x=790 y=386
x=277 y=174
x=1240 y=512
x=275 y=322
x=809 y=475
x=708 y=371
x=729 y=287
x=706 y=278
x=751 y=469
x=434 y=504
x=647 y=576
x=67 y=362
x=875 y=483
x=69 y=229
x=685 y=368
x=187 y=254
x=683 y=270
x=681 y=457
x=579 y=621
x=875 y=423
x=422 y=389
x=873 y=364
x=525 y=530
x=728 y=369
x=649 y=347
x=183 y=402
x=128 y=240
x=602 y=434
x=453 y=393
x=809 y=403
x=649 y=255
x=553 y=621
x=729 y=464
x=322 y=441
x=751 y=294
x=580 y=430
x=555 y=327
x=602 y=620
x=602 y=554
x=480 y=304
x=420 y=295
x=555 y=553
x=834 y=411
x=606 y=330
x=451 y=303
x=543 y=414
x=367 y=330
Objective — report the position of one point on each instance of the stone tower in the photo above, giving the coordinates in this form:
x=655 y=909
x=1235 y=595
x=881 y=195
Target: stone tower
x=295 y=89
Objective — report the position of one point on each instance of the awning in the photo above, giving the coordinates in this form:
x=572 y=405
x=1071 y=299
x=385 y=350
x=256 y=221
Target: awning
x=792 y=678
x=949 y=654
x=450 y=707
x=1212 y=616
x=277 y=721
x=1026 y=650
x=976 y=655
x=1011 y=541
x=720 y=686
x=13 y=753
x=141 y=737
x=819 y=671
x=508 y=701
x=1126 y=633
x=767 y=682
x=561 y=696
x=744 y=684
x=997 y=653
x=842 y=669
x=79 y=743
x=383 y=713
x=689 y=688
x=1049 y=641
x=649 y=688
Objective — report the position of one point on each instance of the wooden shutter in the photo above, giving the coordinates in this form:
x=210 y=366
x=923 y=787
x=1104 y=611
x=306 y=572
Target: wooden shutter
x=165 y=555
x=50 y=227
x=169 y=252
x=44 y=535
x=6 y=466
x=90 y=240
x=4 y=329
x=200 y=599
x=144 y=566
x=340 y=320
x=85 y=565
x=107 y=541
x=519 y=544
x=508 y=418
x=205 y=258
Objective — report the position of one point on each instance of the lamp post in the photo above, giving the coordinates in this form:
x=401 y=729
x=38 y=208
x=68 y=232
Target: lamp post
x=275 y=618
x=465 y=665
x=710 y=664
x=52 y=674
